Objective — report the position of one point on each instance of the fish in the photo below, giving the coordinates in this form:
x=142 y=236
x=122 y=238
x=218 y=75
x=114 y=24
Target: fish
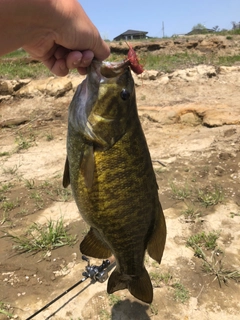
x=110 y=171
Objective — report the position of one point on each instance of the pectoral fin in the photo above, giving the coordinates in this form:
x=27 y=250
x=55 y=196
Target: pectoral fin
x=157 y=241
x=66 y=174
x=87 y=165
x=93 y=245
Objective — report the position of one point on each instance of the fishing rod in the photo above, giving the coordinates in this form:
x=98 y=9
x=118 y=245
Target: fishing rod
x=95 y=273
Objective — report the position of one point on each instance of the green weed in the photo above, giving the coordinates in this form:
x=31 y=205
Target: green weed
x=171 y=62
x=3 y=154
x=113 y=299
x=60 y=194
x=4 y=189
x=104 y=315
x=201 y=244
x=233 y=214
x=4 y=310
x=181 y=293
x=38 y=199
x=191 y=213
x=210 y=197
x=203 y=240
x=63 y=195
x=24 y=143
x=49 y=136
x=11 y=170
x=214 y=266
x=180 y=192
x=19 y=68
x=23 y=212
x=43 y=237
x=19 y=53
x=45 y=184
x=157 y=278
x=29 y=183
x=8 y=205
x=154 y=309
x=228 y=60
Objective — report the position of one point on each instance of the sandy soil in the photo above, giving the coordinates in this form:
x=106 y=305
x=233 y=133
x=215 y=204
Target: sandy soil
x=192 y=128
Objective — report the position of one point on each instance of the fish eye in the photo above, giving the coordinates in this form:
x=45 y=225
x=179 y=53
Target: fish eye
x=124 y=94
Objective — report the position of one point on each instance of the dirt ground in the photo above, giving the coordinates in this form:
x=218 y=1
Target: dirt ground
x=192 y=128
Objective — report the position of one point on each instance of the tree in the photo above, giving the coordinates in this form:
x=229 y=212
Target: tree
x=199 y=26
x=236 y=25
x=216 y=28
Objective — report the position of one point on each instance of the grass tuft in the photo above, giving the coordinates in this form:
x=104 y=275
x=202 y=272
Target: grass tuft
x=157 y=278
x=203 y=240
x=180 y=192
x=181 y=294
x=210 y=197
x=44 y=237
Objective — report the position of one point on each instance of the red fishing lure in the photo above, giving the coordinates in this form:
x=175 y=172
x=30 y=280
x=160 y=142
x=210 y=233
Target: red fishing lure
x=134 y=62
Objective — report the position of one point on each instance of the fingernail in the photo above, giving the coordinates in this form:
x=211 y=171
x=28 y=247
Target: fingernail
x=63 y=66
x=87 y=62
x=77 y=62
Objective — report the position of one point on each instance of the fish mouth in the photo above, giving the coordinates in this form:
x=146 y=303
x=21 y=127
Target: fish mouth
x=107 y=70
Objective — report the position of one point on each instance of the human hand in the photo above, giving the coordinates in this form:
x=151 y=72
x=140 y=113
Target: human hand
x=73 y=40
x=58 y=33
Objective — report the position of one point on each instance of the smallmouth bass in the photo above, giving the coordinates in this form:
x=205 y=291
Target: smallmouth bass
x=110 y=171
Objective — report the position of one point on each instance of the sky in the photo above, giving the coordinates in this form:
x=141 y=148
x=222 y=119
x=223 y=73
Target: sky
x=113 y=17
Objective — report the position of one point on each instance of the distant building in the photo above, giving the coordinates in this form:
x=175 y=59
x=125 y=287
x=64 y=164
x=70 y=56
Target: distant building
x=131 y=34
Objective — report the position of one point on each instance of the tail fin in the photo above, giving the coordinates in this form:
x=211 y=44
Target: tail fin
x=140 y=287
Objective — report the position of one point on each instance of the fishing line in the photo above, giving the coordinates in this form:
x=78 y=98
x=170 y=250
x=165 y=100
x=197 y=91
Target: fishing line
x=73 y=297
x=55 y=299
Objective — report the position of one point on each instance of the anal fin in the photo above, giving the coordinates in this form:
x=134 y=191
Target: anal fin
x=93 y=245
x=157 y=241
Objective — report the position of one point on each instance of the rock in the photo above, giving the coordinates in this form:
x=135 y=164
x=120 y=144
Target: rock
x=13 y=122
x=224 y=70
x=76 y=81
x=219 y=171
x=169 y=117
x=195 y=73
x=229 y=132
x=5 y=98
x=220 y=116
x=149 y=75
x=226 y=155
x=6 y=87
x=208 y=71
x=57 y=87
x=33 y=88
x=18 y=84
x=163 y=80
x=186 y=75
x=137 y=80
x=190 y=118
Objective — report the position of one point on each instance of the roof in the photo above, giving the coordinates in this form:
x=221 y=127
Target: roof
x=131 y=32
